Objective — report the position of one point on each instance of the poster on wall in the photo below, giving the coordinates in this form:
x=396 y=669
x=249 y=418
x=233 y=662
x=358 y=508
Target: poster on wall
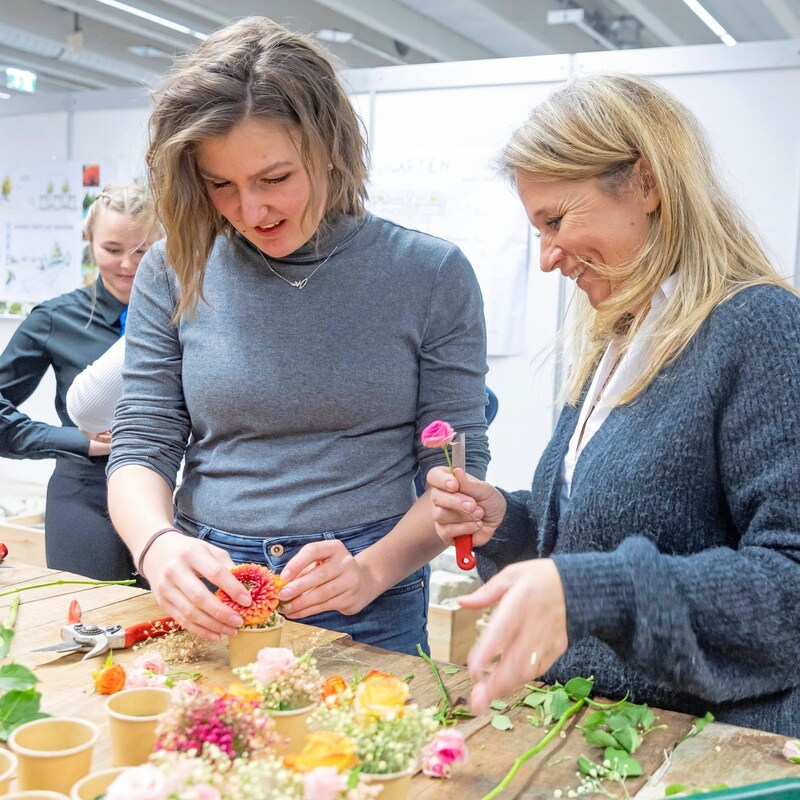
x=458 y=197
x=40 y=230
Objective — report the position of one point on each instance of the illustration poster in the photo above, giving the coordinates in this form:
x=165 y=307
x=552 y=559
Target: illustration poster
x=40 y=230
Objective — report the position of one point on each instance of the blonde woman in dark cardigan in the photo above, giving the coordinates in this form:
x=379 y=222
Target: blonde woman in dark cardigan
x=659 y=546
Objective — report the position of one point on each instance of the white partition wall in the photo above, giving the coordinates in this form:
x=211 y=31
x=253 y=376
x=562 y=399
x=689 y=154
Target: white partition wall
x=745 y=96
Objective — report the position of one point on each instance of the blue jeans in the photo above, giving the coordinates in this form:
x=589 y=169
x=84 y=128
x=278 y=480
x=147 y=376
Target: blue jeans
x=396 y=620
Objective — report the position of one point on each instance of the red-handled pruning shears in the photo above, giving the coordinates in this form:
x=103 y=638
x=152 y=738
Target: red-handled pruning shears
x=465 y=558
x=96 y=639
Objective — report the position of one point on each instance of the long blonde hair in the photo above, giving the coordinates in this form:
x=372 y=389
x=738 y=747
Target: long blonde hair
x=251 y=69
x=598 y=127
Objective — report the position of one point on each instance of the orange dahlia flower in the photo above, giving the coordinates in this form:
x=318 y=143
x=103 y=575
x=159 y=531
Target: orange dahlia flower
x=260 y=582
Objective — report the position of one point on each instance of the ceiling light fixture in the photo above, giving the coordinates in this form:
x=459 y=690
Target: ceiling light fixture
x=167 y=23
x=345 y=37
x=710 y=22
x=578 y=18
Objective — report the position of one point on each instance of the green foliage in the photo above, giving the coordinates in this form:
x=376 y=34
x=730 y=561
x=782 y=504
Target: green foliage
x=502 y=722
x=698 y=726
x=675 y=789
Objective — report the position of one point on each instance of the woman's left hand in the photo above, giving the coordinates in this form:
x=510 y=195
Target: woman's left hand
x=323 y=576
x=527 y=631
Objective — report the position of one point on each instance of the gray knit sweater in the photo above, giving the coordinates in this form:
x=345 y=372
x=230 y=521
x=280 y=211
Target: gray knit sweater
x=680 y=554
x=302 y=409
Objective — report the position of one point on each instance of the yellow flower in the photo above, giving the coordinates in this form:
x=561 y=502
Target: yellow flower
x=379 y=694
x=324 y=749
x=240 y=692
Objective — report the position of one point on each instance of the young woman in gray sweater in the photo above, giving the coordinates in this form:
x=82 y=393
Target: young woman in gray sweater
x=292 y=346
x=659 y=546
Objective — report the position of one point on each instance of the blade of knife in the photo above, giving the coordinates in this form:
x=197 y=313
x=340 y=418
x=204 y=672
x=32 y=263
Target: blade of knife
x=465 y=558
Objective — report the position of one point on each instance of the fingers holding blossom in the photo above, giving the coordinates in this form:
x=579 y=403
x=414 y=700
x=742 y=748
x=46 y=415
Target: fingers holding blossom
x=527 y=631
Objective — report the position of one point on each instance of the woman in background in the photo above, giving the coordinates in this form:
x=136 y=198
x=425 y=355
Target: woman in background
x=67 y=333
x=659 y=546
x=293 y=346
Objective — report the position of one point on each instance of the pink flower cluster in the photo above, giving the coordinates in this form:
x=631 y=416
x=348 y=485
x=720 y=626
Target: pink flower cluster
x=284 y=681
x=237 y=726
x=445 y=749
x=152 y=670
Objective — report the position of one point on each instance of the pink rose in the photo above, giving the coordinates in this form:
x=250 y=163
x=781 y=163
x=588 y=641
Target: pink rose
x=138 y=783
x=273 y=663
x=445 y=749
x=153 y=662
x=791 y=751
x=438 y=434
x=323 y=783
x=136 y=678
x=435 y=767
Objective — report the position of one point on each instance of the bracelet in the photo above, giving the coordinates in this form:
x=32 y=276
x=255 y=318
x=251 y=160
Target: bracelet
x=149 y=544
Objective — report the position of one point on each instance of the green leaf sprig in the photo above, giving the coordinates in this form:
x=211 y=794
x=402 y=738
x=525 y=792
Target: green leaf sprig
x=560 y=703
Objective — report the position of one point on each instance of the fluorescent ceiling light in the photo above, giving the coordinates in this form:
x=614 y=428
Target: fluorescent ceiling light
x=710 y=22
x=345 y=37
x=145 y=51
x=337 y=37
x=167 y=23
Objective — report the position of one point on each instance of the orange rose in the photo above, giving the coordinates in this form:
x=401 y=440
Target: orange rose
x=333 y=686
x=240 y=692
x=378 y=694
x=324 y=749
x=109 y=679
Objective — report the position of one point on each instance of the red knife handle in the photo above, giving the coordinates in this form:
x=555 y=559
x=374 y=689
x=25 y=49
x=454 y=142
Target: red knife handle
x=149 y=630
x=464 y=555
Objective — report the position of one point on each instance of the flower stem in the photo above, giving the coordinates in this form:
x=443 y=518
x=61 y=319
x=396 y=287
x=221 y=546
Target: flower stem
x=447 y=456
x=442 y=691
x=64 y=583
x=11 y=617
x=503 y=785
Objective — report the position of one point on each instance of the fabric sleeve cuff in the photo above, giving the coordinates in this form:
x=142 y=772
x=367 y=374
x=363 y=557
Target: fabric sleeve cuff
x=514 y=540
x=67 y=440
x=598 y=593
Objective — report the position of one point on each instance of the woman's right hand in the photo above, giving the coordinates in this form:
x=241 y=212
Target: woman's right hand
x=463 y=505
x=174 y=566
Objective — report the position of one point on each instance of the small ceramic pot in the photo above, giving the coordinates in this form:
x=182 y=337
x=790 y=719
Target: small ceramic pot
x=396 y=785
x=95 y=784
x=8 y=766
x=133 y=716
x=53 y=753
x=292 y=729
x=243 y=648
x=35 y=794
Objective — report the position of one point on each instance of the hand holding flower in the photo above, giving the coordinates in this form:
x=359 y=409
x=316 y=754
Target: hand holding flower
x=456 y=494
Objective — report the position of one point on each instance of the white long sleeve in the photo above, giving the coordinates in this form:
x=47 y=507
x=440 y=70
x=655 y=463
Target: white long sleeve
x=93 y=396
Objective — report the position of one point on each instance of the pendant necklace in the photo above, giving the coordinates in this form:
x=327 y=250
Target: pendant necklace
x=301 y=283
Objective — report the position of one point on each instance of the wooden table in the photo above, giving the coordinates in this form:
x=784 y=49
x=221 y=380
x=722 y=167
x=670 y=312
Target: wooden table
x=721 y=753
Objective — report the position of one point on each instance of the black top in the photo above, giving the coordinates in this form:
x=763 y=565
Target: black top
x=66 y=333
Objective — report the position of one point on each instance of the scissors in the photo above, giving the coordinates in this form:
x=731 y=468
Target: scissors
x=465 y=558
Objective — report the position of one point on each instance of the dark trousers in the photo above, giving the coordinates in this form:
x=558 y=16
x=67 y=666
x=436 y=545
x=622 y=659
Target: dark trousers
x=79 y=536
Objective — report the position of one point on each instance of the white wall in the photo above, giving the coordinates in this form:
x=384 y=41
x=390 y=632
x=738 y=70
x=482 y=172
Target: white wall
x=744 y=95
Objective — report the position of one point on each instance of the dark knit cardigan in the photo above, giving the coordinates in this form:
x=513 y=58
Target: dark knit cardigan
x=680 y=553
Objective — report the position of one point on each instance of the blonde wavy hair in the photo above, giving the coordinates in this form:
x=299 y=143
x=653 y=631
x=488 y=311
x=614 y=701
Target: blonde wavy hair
x=130 y=199
x=251 y=69
x=599 y=127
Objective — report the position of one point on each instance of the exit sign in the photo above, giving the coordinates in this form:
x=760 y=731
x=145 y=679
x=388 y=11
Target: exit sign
x=20 y=79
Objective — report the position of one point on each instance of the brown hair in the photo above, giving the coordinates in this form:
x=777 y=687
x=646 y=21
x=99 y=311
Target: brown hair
x=251 y=69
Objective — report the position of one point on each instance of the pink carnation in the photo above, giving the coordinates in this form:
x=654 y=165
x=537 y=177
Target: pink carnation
x=138 y=783
x=437 y=434
x=273 y=663
x=323 y=783
x=185 y=688
x=445 y=749
x=153 y=662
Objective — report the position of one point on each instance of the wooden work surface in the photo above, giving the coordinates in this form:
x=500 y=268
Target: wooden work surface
x=721 y=753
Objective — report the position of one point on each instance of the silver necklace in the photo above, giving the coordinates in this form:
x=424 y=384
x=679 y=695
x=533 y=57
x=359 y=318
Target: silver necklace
x=301 y=283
